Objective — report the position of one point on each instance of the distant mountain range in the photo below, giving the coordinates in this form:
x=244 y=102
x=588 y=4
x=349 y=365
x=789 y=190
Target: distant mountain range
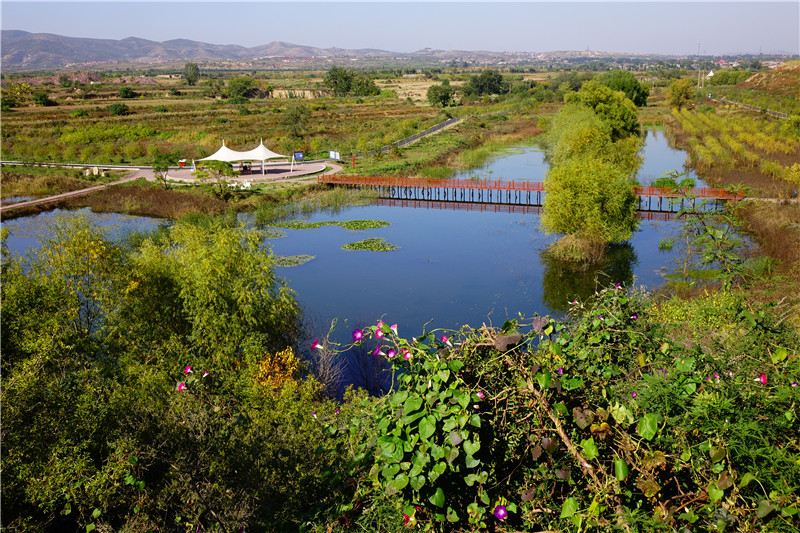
x=22 y=50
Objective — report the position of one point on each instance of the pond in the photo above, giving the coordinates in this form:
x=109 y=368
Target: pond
x=451 y=268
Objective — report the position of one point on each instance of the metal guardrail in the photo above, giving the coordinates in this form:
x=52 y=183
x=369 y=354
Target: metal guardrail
x=752 y=108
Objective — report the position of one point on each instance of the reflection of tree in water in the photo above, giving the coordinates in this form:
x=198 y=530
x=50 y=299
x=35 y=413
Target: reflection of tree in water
x=563 y=282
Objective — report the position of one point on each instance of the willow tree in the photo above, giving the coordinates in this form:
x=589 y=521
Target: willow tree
x=593 y=157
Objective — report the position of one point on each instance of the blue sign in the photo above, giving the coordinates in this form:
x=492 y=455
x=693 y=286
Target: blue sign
x=298 y=156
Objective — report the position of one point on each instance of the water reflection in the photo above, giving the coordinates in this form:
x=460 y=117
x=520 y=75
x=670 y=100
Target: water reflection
x=565 y=282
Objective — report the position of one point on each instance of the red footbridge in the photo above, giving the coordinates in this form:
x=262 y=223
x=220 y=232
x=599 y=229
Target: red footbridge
x=511 y=193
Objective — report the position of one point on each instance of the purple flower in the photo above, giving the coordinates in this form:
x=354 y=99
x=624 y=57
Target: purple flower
x=314 y=414
x=618 y=285
x=634 y=317
x=634 y=395
x=446 y=340
x=560 y=371
x=390 y=354
x=480 y=395
x=358 y=335
x=500 y=512
x=187 y=370
x=378 y=351
x=794 y=383
x=316 y=345
x=336 y=411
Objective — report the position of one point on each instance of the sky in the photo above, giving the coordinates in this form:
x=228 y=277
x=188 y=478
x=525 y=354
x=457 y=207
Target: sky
x=648 y=27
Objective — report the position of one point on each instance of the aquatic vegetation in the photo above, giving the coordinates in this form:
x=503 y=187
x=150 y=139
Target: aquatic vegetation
x=372 y=245
x=347 y=224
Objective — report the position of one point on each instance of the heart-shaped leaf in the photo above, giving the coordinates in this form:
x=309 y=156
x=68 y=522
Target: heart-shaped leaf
x=438 y=498
x=471 y=447
x=400 y=481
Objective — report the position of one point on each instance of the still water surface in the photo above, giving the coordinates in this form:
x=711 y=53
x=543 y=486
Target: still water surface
x=452 y=268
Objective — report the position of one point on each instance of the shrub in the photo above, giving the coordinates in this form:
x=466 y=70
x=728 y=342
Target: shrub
x=118 y=109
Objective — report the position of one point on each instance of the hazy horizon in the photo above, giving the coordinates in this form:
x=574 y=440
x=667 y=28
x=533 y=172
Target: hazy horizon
x=665 y=28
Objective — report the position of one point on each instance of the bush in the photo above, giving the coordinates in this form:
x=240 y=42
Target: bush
x=118 y=109
x=606 y=420
x=127 y=92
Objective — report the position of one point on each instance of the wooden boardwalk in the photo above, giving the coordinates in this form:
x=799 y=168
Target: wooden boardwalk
x=503 y=192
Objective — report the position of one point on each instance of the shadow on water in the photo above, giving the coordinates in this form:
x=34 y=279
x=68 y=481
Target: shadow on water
x=564 y=282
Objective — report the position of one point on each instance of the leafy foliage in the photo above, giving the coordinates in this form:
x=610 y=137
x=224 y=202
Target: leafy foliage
x=622 y=80
x=601 y=421
x=679 y=93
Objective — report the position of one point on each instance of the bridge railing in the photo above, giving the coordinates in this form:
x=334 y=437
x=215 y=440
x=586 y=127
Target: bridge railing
x=500 y=185
x=696 y=192
x=394 y=181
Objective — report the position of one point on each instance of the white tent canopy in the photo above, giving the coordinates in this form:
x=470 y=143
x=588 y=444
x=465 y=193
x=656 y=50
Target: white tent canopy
x=260 y=153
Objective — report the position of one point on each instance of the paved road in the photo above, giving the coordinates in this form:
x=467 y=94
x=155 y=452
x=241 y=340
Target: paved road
x=280 y=173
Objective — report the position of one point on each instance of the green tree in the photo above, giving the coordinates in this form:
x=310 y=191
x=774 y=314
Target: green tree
x=191 y=73
x=590 y=199
x=679 y=93
x=127 y=92
x=240 y=87
x=362 y=85
x=441 y=95
x=41 y=98
x=622 y=80
x=161 y=167
x=613 y=107
x=487 y=82
x=339 y=80
x=118 y=109
x=213 y=173
x=295 y=118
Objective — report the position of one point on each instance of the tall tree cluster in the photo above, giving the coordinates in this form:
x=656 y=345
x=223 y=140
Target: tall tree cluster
x=593 y=153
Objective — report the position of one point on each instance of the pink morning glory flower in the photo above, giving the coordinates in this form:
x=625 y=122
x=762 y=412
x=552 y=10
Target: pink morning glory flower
x=205 y=373
x=763 y=378
x=500 y=512
x=446 y=340
x=476 y=406
x=560 y=371
x=634 y=317
x=390 y=354
x=393 y=327
x=634 y=395
x=377 y=351
x=181 y=387
x=406 y=354
x=480 y=395
x=316 y=345
x=357 y=335
x=187 y=370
